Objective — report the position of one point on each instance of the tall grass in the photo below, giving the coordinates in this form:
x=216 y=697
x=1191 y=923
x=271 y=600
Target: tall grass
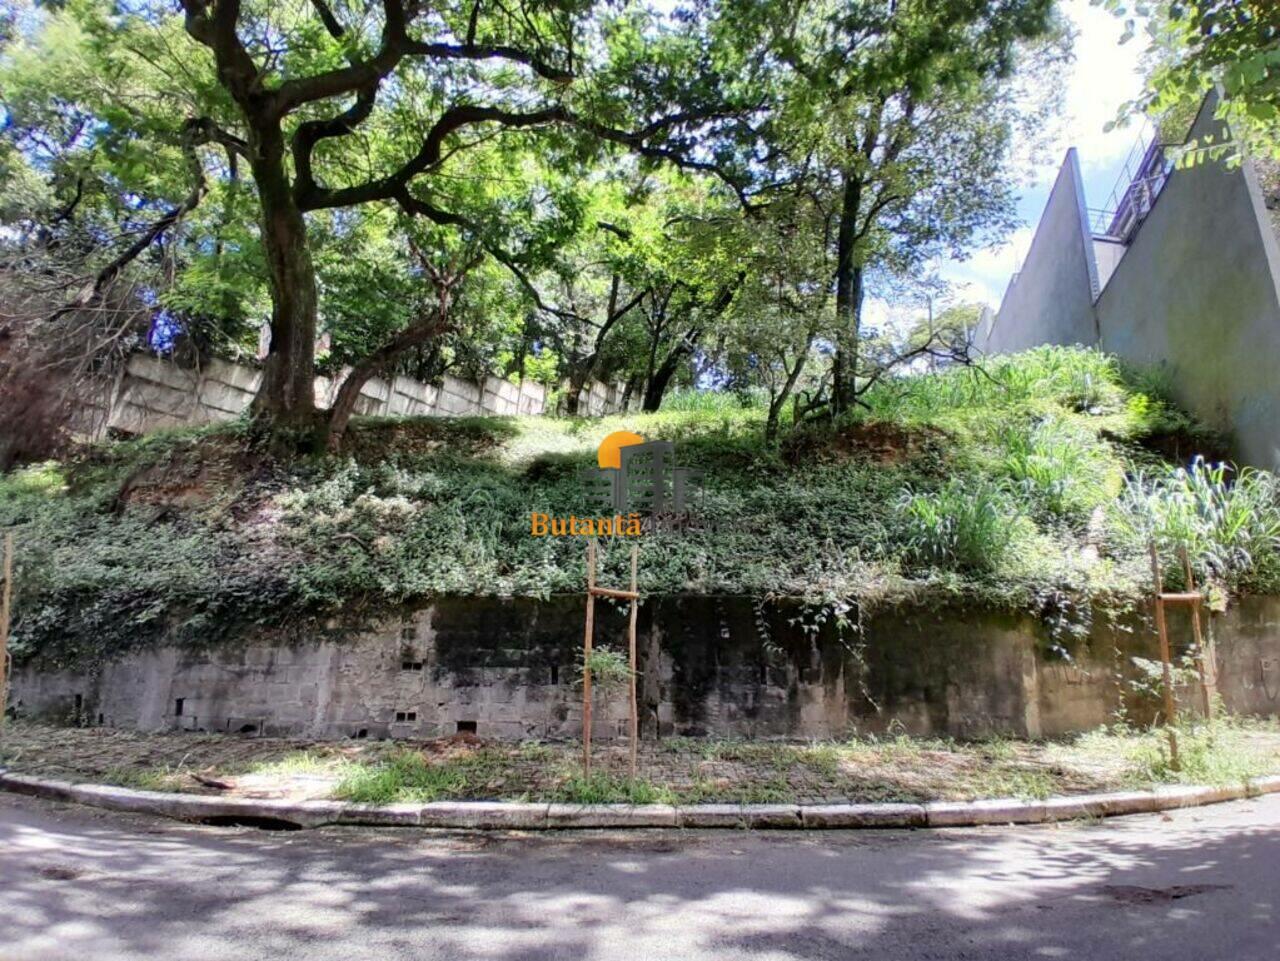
x=1230 y=527
x=1084 y=381
x=693 y=400
x=968 y=525
x=1058 y=464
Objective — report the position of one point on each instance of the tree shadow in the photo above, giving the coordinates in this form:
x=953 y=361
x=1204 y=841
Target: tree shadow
x=79 y=884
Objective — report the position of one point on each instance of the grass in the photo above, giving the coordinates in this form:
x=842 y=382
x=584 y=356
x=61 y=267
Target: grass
x=674 y=771
x=407 y=775
x=1033 y=476
x=602 y=787
x=1229 y=751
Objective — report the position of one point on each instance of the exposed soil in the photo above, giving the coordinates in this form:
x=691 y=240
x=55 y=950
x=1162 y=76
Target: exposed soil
x=883 y=442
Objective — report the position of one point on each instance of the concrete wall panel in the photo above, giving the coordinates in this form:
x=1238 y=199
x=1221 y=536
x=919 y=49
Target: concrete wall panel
x=1050 y=300
x=153 y=393
x=708 y=666
x=1197 y=293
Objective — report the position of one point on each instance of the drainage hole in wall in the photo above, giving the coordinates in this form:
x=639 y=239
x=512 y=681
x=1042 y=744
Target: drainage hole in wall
x=177 y=706
x=466 y=727
x=362 y=733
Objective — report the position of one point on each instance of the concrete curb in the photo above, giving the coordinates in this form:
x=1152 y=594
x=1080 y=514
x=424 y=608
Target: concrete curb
x=499 y=815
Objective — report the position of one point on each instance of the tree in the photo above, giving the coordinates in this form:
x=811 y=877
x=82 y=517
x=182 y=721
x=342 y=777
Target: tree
x=431 y=318
x=783 y=307
x=1194 y=44
x=330 y=108
x=893 y=118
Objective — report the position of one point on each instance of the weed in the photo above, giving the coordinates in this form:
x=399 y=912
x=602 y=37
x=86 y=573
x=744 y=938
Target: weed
x=602 y=787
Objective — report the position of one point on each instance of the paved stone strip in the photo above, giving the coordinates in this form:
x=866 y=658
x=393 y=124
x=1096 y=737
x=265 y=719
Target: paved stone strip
x=500 y=815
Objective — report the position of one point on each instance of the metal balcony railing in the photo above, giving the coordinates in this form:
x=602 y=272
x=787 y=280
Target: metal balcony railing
x=1143 y=176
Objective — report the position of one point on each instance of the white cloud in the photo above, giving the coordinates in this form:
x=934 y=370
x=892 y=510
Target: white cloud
x=1103 y=76
x=984 y=276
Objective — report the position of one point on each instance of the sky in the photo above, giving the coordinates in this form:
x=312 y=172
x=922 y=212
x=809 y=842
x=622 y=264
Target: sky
x=1102 y=77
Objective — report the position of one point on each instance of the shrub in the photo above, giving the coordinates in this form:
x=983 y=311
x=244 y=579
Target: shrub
x=968 y=525
x=1230 y=529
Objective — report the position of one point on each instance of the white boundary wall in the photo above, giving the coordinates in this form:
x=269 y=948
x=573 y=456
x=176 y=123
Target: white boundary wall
x=153 y=393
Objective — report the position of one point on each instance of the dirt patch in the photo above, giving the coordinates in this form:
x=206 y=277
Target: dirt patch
x=882 y=442
x=453 y=745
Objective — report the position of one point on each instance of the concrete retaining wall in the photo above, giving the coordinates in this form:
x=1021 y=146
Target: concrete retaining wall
x=1198 y=294
x=708 y=666
x=153 y=393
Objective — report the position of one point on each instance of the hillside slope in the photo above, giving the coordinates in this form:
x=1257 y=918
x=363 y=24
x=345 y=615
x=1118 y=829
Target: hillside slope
x=1033 y=483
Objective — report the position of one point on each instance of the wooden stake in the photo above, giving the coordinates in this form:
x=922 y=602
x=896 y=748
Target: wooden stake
x=1208 y=669
x=5 y=598
x=586 y=658
x=1170 y=711
x=631 y=641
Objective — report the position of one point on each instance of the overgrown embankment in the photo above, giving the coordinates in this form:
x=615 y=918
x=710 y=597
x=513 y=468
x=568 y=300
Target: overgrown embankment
x=1031 y=483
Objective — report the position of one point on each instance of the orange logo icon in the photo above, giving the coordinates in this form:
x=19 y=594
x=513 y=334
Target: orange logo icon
x=610 y=453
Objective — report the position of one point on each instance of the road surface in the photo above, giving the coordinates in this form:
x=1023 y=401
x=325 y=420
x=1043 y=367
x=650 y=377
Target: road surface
x=82 y=884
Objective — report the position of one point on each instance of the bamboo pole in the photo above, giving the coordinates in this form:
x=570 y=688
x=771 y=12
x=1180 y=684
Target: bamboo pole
x=586 y=658
x=1170 y=710
x=631 y=642
x=5 y=599
x=1208 y=669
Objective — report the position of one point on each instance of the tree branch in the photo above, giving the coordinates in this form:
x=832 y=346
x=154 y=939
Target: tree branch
x=336 y=29
x=194 y=132
x=396 y=44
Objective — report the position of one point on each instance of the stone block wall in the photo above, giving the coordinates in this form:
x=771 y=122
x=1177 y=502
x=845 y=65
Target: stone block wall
x=152 y=393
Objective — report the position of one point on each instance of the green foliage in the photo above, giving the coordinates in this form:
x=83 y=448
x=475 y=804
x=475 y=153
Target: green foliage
x=610 y=669
x=692 y=400
x=965 y=526
x=603 y=787
x=407 y=775
x=1056 y=464
x=1225 y=751
x=1194 y=44
x=989 y=486
x=1229 y=526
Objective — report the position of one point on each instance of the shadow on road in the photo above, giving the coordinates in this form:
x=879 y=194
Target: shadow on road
x=76 y=885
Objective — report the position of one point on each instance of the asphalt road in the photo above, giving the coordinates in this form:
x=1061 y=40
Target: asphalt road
x=82 y=884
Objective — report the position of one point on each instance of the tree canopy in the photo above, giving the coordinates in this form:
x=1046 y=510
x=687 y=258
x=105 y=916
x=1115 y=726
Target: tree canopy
x=1194 y=45
x=560 y=189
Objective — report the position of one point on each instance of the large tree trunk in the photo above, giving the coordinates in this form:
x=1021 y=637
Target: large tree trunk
x=848 y=299
x=286 y=396
x=573 y=395
x=660 y=380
